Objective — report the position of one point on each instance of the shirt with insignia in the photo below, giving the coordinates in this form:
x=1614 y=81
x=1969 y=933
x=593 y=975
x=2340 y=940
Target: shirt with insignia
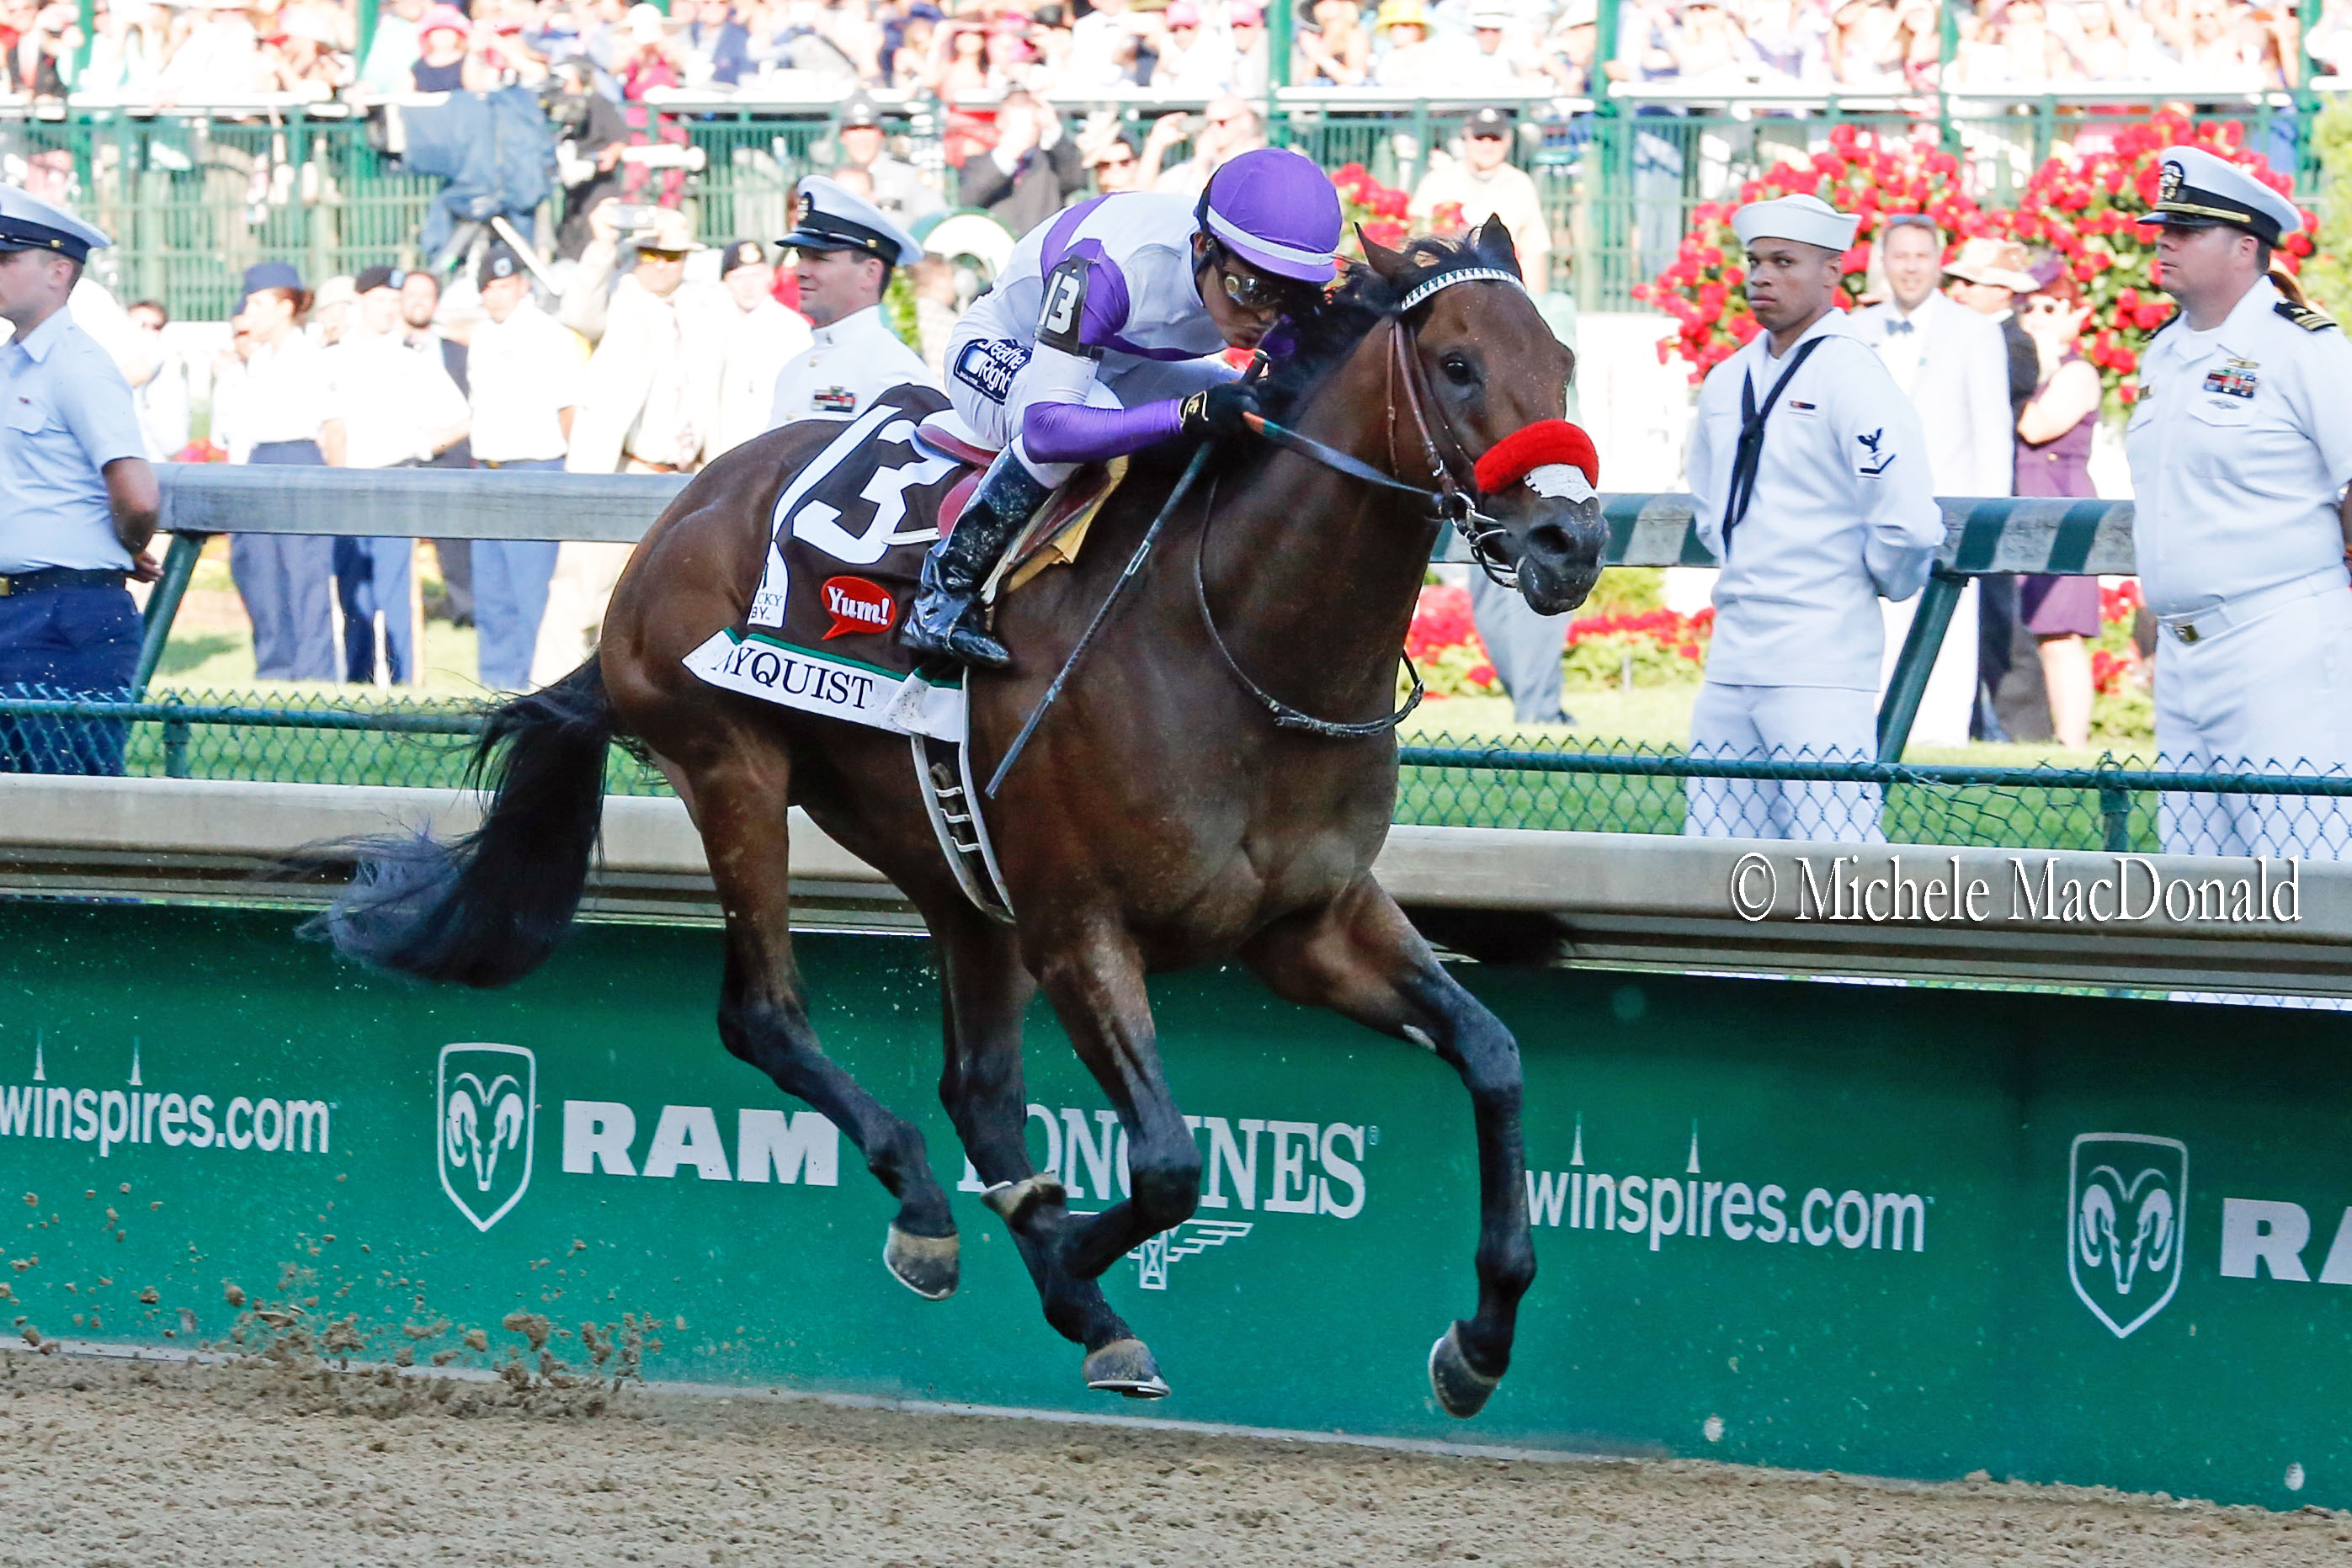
x=69 y=415
x=1842 y=512
x=2240 y=441
x=844 y=366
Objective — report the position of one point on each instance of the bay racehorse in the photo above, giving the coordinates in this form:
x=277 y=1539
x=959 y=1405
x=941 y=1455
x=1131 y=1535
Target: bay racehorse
x=1178 y=807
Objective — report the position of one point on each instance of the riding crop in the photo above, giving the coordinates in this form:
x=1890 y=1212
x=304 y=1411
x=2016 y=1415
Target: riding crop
x=1134 y=565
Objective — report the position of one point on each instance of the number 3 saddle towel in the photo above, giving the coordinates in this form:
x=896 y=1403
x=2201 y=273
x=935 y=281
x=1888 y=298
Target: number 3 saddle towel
x=845 y=551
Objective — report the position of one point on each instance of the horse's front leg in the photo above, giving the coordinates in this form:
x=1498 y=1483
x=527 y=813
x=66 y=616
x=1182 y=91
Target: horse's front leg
x=1360 y=956
x=1093 y=977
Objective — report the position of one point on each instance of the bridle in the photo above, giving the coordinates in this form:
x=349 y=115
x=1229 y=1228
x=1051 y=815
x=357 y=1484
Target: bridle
x=1449 y=502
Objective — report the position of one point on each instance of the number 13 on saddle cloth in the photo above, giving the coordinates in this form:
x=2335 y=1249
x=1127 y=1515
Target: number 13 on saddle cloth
x=844 y=553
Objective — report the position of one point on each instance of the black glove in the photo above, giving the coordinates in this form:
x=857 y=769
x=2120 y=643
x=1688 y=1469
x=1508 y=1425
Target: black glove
x=1218 y=411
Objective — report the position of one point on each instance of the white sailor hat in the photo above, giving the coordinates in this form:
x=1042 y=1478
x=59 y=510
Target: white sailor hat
x=2195 y=189
x=828 y=215
x=28 y=222
x=1806 y=219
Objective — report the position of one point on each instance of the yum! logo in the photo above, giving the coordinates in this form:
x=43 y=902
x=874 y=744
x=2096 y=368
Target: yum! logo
x=858 y=605
x=483 y=1126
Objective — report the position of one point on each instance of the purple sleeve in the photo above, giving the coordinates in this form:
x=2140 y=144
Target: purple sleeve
x=1073 y=432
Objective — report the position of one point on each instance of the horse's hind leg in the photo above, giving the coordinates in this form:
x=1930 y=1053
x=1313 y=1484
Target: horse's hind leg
x=985 y=993
x=1360 y=956
x=741 y=807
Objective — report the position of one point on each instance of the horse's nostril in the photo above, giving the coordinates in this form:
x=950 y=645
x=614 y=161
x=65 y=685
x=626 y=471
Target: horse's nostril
x=1549 y=539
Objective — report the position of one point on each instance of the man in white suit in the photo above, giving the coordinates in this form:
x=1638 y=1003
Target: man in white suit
x=1952 y=364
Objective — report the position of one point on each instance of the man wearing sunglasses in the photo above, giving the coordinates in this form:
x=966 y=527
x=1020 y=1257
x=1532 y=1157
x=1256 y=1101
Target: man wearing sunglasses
x=1484 y=184
x=1105 y=334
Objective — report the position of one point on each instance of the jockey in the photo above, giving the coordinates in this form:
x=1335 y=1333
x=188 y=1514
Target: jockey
x=1104 y=335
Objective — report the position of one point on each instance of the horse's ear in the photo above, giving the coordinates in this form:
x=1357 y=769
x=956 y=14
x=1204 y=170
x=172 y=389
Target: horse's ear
x=1390 y=265
x=1492 y=243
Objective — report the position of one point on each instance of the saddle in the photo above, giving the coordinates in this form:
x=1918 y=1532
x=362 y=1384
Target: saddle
x=846 y=540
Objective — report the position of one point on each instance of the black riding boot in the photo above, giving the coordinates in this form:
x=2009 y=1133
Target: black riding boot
x=945 y=619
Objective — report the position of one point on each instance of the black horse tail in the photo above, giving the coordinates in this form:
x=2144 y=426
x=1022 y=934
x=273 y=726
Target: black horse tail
x=486 y=909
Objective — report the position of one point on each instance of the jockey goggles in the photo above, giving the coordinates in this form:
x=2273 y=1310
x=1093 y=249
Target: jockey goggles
x=1253 y=291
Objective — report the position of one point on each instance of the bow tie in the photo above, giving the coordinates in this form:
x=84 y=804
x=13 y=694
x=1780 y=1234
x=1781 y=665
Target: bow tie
x=1894 y=327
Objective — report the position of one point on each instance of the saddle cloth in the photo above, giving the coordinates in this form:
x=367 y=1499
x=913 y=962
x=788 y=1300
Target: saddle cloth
x=846 y=547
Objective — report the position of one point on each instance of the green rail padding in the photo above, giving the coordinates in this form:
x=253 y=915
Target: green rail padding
x=1879 y=1229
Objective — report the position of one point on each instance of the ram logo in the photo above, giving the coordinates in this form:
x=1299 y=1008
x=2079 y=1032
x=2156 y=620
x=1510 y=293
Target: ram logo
x=2126 y=1205
x=483 y=1126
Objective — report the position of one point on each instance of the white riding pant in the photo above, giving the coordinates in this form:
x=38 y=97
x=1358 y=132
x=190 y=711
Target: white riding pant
x=1049 y=375
x=2273 y=696
x=1783 y=724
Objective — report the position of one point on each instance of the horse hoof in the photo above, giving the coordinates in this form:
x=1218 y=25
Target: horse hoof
x=924 y=1264
x=1124 y=1367
x=1461 y=1389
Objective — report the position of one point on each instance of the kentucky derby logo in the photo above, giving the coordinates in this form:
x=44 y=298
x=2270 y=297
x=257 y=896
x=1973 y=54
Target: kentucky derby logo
x=1188 y=1240
x=2126 y=1206
x=483 y=1128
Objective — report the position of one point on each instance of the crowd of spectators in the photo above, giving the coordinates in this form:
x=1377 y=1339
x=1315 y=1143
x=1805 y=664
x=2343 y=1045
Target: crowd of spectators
x=196 y=51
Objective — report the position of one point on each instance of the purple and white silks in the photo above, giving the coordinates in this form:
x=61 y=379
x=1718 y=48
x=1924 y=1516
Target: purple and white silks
x=1078 y=433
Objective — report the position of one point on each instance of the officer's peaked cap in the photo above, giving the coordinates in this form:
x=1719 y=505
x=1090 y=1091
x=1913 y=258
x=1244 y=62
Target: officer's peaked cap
x=1808 y=220
x=28 y=222
x=2195 y=188
x=828 y=215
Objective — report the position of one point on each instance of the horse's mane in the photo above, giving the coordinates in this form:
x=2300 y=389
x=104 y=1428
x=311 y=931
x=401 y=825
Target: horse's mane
x=1323 y=336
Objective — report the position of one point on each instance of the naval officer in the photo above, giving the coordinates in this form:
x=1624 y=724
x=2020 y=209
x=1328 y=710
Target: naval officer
x=78 y=501
x=1809 y=483
x=847 y=247
x=2240 y=446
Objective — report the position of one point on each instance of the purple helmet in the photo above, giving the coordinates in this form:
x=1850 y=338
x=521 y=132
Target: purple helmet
x=1275 y=210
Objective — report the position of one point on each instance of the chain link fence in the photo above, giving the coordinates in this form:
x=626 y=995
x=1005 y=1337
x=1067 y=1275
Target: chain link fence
x=1446 y=781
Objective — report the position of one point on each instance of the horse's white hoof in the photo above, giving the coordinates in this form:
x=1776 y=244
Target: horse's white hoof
x=1124 y=1367
x=927 y=1265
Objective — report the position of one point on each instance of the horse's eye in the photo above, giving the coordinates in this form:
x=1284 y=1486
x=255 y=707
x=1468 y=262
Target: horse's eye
x=1457 y=370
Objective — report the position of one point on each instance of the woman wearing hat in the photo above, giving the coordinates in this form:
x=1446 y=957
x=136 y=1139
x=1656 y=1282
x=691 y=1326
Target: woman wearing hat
x=1334 y=50
x=1410 y=62
x=1105 y=334
x=2240 y=446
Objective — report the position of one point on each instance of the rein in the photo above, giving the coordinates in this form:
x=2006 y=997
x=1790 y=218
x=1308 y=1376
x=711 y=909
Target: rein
x=1449 y=502
x=1284 y=716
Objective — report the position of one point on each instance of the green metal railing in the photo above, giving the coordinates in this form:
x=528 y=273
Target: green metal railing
x=193 y=200
x=1444 y=781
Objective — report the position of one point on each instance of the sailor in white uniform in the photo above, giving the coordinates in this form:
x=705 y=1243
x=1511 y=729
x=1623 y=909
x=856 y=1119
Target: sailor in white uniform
x=846 y=248
x=2240 y=446
x=1809 y=483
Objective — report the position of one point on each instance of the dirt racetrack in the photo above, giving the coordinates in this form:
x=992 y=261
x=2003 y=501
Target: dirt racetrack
x=113 y=1463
